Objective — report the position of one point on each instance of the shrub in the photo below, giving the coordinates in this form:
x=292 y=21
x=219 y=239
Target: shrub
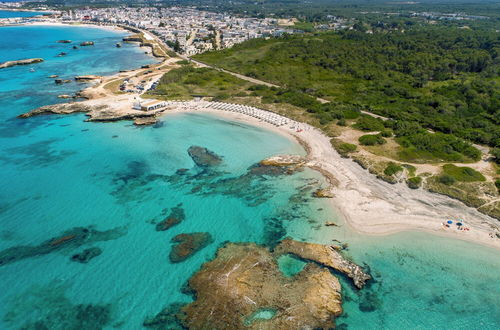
x=369 y=124
x=497 y=184
x=392 y=169
x=371 y=140
x=347 y=147
x=446 y=179
x=462 y=173
x=440 y=146
x=386 y=133
x=414 y=183
x=496 y=155
x=341 y=122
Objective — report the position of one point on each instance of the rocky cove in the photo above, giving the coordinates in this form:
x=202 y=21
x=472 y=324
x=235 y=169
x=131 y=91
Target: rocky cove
x=244 y=287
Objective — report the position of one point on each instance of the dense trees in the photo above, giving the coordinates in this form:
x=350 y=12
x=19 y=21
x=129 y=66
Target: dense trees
x=439 y=78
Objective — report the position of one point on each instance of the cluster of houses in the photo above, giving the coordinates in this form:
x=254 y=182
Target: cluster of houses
x=187 y=30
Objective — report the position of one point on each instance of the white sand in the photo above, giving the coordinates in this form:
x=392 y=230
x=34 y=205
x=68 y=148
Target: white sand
x=372 y=206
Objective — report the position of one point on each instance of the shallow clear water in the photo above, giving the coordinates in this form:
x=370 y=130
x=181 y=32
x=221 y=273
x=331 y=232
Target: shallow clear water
x=59 y=172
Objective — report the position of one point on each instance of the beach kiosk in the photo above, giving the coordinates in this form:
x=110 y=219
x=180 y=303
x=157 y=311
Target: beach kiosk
x=150 y=105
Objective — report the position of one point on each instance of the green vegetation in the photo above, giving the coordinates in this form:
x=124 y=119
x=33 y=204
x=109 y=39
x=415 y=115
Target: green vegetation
x=369 y=124
x=425 y=146
x=446 y=179
x=343 y=148
x=392 y=169
x=439 y=78
x=462 y=173
x=414 y=183
x=186 y=81
x=371 y=140
x=496 y=155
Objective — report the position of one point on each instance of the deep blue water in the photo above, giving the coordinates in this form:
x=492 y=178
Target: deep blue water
x=59 y=172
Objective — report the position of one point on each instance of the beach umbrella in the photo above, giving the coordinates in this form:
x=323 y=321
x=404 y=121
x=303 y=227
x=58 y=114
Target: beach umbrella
x=449 y=221
x=459 y=223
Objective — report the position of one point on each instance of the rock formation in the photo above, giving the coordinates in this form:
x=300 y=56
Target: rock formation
x=62 y=81
x=143 y=121
x=204 y=157
x=243 y=288
x=325 y=255
x=69 y=239
x=87 y=254
x=175 y=217
x=188 y=244
x=87 y=78
x=284 y=160
x=322 y=193
x=64 y=41
x=87 y=43
x=20 y=62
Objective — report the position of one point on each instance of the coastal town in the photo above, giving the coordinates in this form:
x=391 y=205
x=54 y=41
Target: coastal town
x=186 y=30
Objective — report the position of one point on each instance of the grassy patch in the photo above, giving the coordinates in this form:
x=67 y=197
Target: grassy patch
x=186 y=81
x=371 y=140
x=462 y=173
x=344 y=149
x=392 y=169
x=414 y=183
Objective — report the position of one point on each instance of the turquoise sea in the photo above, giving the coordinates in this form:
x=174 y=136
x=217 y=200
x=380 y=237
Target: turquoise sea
x=11 y=14
x=113 y=182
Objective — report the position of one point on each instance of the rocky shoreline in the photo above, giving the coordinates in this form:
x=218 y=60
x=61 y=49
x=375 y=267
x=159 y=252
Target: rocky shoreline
x=244 y=287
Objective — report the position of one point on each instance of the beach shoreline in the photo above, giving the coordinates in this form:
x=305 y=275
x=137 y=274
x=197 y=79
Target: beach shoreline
x=367 y=211
x=369 y=205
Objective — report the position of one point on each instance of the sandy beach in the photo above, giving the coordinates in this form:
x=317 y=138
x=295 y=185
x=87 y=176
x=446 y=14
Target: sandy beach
x=374 y=207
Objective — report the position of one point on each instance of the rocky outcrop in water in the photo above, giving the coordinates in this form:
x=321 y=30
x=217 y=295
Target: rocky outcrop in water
x=203 y=157
x=284 y=160
x=243 y=288
x=64 y=41
x=87 y=78
x=188 y=244
x=62 y=81
x=64 y=108
x=322 y=193
x=8 y=64
x=144 y=121
x=86 y=255
x=325 y=255
x=70 y=239
x=87 y=43
x=175 y=217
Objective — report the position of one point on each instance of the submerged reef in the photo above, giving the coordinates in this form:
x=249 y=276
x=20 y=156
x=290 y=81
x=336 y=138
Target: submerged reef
x=168 y=319
x=69 y=239
x=203 y=157
x=324 y=255
x=243 y=288
x=175 y=217
x=47 y=307
x=188 y=244
x=86 y=255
